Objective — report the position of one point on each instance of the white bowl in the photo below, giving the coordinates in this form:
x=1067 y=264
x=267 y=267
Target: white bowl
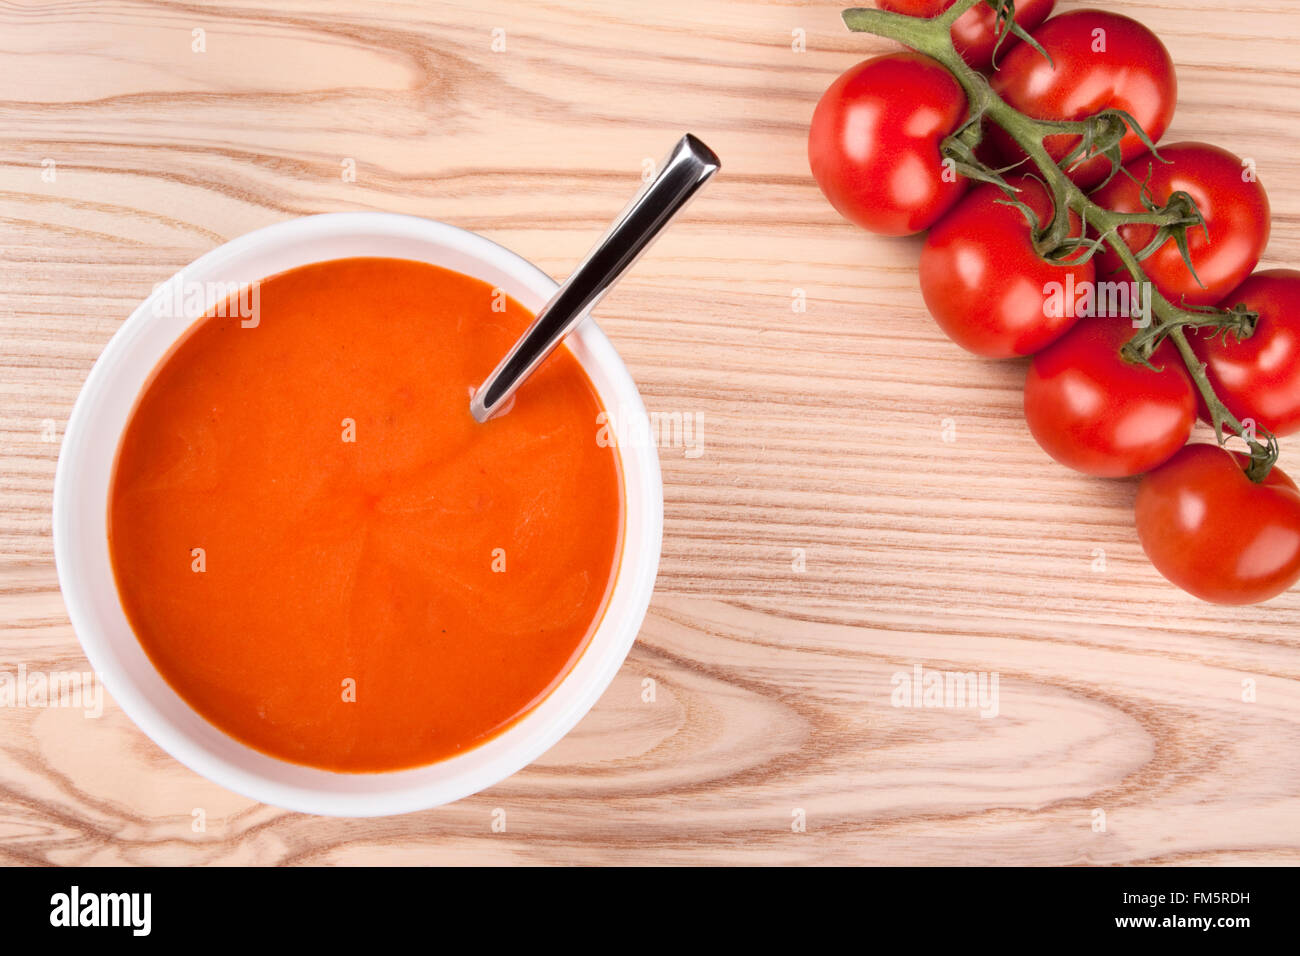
x=81 y=489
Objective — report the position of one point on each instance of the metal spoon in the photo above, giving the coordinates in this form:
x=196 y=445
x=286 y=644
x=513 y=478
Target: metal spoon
x=686 y=169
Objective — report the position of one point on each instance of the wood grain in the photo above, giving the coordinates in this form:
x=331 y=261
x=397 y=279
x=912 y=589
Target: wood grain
x=822 y=431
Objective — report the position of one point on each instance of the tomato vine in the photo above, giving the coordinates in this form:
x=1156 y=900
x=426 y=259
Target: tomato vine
x=1055 y=240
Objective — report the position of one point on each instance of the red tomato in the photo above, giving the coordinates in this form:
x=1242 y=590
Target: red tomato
x=984 y=283
x=1095 y=412
x=874 y=143
x=1100 y=60
x=1259 y=378
x=1228 y=195
x=975 y=33
x=1215 y=533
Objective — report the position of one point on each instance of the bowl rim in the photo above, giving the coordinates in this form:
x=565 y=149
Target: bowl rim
x=417 y=788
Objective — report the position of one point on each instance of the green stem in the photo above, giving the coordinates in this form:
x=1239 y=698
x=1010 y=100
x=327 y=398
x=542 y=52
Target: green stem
x=932 y=37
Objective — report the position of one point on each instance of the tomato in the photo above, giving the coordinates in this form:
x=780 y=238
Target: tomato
x=975 y=33
x=1259 y=378
x=984 y=283
x=1215 y=533
x=1093 y=411
x=874 y=143
x=1228 y=196
x=1100 y=60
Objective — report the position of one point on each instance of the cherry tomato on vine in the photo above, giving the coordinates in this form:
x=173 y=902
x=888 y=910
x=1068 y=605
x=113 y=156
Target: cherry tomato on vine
x=975 y=34
x=1100 y=60
x=984 y=283
x=1229 y=197
x=1259 y=378
x=1215 y=533
x=874 y=143
x=1095 y=412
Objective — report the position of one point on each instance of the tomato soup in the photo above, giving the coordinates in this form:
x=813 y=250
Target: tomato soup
x=322 y=551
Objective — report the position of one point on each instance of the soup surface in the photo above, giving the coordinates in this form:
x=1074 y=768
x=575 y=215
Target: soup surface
x=322 y=551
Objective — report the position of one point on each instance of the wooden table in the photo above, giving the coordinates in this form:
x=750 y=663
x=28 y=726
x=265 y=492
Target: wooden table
x=866 y=501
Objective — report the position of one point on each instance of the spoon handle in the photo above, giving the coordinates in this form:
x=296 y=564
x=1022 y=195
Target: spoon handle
x=686 y=169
